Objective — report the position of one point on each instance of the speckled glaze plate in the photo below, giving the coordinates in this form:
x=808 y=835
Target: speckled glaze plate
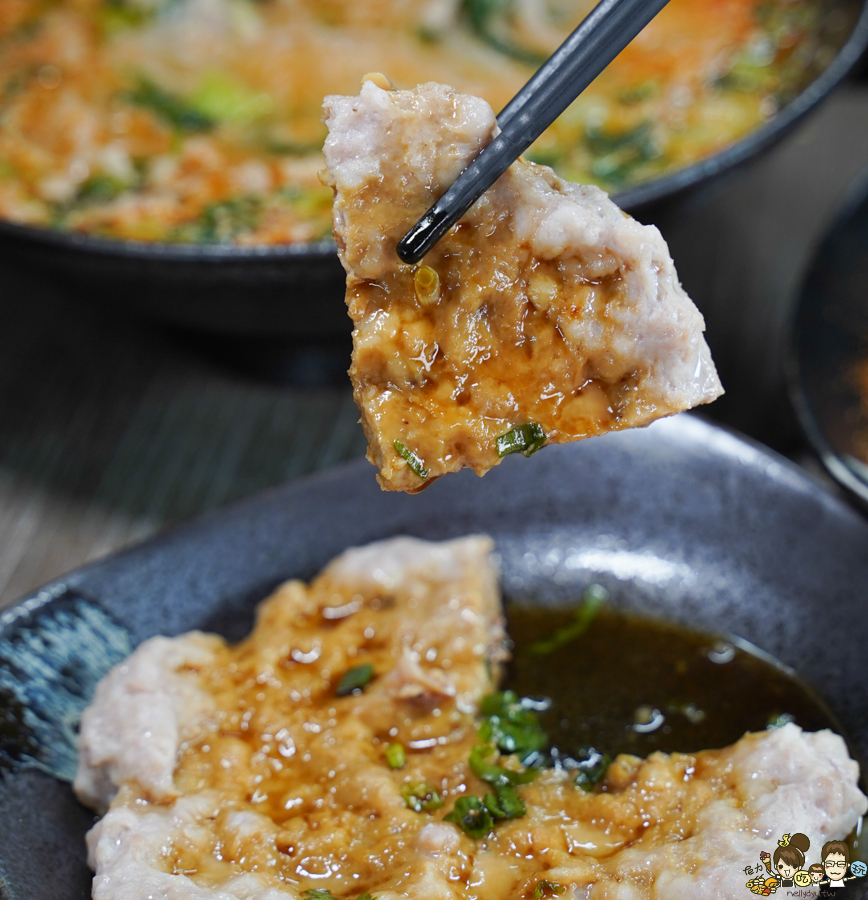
x=680 y=520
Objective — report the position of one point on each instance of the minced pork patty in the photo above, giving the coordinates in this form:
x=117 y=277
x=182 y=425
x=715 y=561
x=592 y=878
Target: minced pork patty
x=544 y=316
x=267 y=769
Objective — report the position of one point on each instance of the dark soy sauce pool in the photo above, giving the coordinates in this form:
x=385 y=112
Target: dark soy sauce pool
x=635 y=685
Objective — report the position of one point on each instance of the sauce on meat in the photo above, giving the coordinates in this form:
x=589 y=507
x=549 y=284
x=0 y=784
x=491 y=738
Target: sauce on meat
x=486 y=354
x=278 y=751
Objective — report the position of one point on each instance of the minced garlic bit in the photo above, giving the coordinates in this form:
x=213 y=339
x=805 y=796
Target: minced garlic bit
x=380 y=80
x=427 y=284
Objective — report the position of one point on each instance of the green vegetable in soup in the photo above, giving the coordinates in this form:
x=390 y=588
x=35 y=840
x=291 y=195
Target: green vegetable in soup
x=619 y=155
x=586 y=612
x=100 y=188
x=222 y=222
x=222 y=98
x=173 y=109
x=490 y=20
x=636 y=93
x=122 y=15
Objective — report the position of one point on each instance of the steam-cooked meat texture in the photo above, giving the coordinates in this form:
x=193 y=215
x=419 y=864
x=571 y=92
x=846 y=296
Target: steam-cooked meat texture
x=546 y=314
x=286 y=777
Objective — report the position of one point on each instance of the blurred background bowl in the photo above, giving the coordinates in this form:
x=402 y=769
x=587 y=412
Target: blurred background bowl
x=296 y=290
x=829 y=345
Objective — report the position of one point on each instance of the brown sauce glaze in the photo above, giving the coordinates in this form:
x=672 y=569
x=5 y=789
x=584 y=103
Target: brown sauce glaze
x=635 y=685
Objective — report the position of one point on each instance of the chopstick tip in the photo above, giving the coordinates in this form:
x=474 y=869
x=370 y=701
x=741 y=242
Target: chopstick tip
x=416 y=242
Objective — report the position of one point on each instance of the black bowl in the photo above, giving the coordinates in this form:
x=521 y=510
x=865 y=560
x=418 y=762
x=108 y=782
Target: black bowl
x=680 y=521
x=297 y=289
x=828 y=339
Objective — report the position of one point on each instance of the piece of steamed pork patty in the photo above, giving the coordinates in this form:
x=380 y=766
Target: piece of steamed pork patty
x=545 y=315
x=337 y=749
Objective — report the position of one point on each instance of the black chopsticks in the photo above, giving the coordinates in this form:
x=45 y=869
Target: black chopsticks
x=571 y=68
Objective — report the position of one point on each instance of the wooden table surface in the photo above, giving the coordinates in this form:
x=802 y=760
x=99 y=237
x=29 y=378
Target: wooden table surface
x=112 y=427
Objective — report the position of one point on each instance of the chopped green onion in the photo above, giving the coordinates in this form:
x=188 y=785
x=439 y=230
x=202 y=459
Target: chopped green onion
x=526 y=438
x=545 y=156
x=290 y=148
x=484 y=17
x=493 y=773
x=116 y=15
x=428 y=35
x=355 y=679
x=471 y=816
x=100 y=188
x=636 y=93
x=318 y=894
x=395 y=756
x=586 y=612
x=421 y=796
x=173 y=109
x=546 y=889
x=222 y=98
x=510 y=726
x=505 y=802
x=223 y=221
x=413 y=461
x=592 y=768
x=619 y=154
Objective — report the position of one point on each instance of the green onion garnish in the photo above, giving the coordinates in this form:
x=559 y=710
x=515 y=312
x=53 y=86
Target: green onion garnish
x=505 y=802
x=421 y=796
x=510 y=726
x=471 y=816
x=493 y=773
x=526 y=438
x=546 y=889
x=592 y=768
x=395 y=756
x=171 y=108
x=595 y=597
x=413 y=461
x=318 y=894
x=355 y=679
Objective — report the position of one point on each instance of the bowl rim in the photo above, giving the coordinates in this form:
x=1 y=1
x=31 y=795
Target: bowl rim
x=636 y=198
x=844 y=468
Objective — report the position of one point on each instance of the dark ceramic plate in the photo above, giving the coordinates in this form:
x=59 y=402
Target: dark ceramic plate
x=681 y=520
x=297 y=289
x=829 y=338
